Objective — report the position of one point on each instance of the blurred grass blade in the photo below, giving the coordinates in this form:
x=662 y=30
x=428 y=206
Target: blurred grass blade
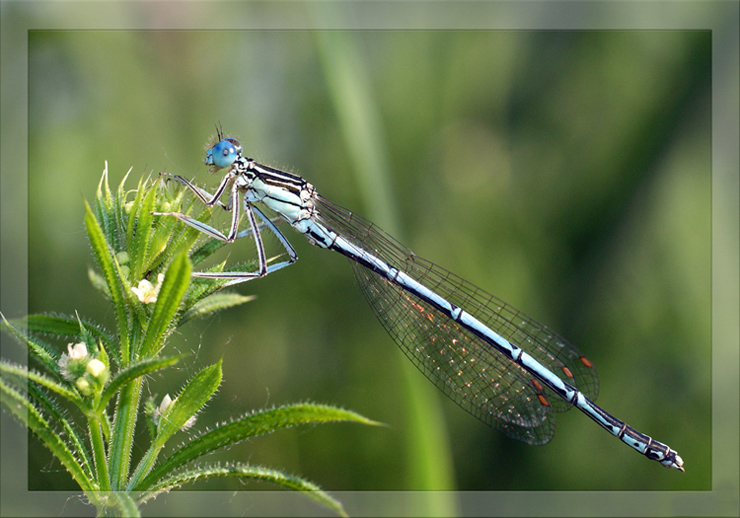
x=428 y=449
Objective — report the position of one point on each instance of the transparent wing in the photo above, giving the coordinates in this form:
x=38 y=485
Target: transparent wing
x=464 y=367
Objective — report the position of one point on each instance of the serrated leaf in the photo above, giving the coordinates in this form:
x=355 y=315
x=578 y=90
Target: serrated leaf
x=98 y=282
x=65 y=326
x=213 y=303
x=251 y=425
x=132 y=372
x=103 y=207
x=107 y=264
x=292 y=482
x=206 y=250
x=56 y=415
x=45 y=381
x=22 y=409
x=131 y=224
x=188 y=403
x=40 y=350
x=174 y=286
x=140 y=248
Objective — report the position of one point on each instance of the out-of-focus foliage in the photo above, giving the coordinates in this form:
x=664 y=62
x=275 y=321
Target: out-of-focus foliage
x=568 y=173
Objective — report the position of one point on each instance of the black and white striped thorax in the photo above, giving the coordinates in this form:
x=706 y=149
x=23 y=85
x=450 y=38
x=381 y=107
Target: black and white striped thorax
x=287 y=194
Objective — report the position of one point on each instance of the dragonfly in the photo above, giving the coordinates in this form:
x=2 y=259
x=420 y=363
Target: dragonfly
x=494 y=361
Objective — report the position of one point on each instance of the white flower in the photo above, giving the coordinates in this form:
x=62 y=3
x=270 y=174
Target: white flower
x=146 y=292
x=163 y=406
x=77 y=351
x=95 y=367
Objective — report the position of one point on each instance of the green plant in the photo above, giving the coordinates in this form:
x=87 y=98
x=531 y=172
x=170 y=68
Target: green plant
x=102 y=374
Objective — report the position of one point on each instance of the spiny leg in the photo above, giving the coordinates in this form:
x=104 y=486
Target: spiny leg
x=207 y=198
x=254 y=230
x=263 y=268
x=283 y=240
x=203 y=227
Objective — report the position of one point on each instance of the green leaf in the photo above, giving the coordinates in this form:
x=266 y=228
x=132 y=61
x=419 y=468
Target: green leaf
x=206 y=250
x=104 y=209
x=182 y=237
x=21 y=408
x=59 y=325
x=133 y=371
x=122 y=434
x=189 y=402
x=310 y=489
x=44 y=381
x=33 y=383
x=140 y=247
x=118 y=210
x=110 y=270
x=192 y=398
x=251 y=425
x=173 y=289
x=40 y=350
x=131 y=224
x=56 y=415
x=213 y=303
x=98 y=282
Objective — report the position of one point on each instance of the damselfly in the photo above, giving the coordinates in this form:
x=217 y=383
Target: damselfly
x=502 y=366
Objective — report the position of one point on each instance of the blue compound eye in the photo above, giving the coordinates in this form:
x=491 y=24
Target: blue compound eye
x=223 y=153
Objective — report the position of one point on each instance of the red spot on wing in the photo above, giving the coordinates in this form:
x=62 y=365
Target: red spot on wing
x=543 y=400
x=586 y=362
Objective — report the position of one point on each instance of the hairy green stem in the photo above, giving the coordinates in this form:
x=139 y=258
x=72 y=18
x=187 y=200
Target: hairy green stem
x=98 y=446
x=123 y=434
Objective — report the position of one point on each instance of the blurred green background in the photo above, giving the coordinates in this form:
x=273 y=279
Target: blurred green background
x=568 y=173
